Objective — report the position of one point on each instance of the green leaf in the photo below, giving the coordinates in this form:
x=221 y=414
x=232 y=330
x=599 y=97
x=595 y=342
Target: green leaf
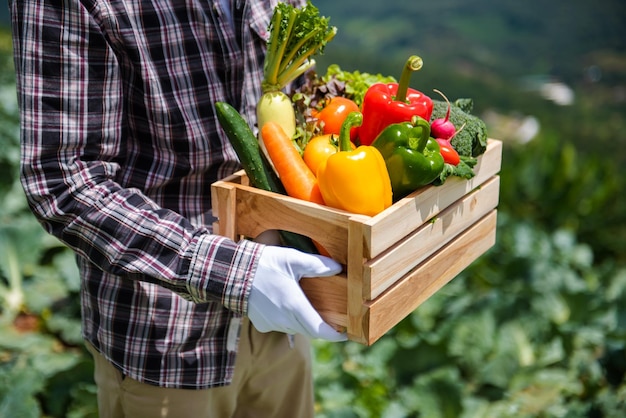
x=616 y=288
x=11 y=340
x=19 y=384
x=65 y=263
x=473 y=339
x=43 y=290
x=544 y=389
x=82 y=396
x=84 y=401
x=553 y=306
x=67 y=327
x=436 y=394
x=513 y=350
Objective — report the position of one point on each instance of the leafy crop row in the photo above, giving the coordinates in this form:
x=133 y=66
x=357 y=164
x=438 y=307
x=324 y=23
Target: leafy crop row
x=533 y=329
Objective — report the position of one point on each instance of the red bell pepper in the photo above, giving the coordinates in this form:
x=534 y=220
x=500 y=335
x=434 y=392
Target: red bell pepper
x=388 y=103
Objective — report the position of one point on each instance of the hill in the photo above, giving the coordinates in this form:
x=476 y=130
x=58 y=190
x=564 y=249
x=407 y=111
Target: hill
x=510 y=38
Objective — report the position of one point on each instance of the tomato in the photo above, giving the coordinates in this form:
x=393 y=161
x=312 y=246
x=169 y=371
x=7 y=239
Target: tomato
x=449 y=154
x=318 y=149
x=334 y=113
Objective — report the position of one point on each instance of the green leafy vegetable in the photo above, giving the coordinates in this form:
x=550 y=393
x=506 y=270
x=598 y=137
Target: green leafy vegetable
x=464 y=169
x=356 y=83
x=295 y=36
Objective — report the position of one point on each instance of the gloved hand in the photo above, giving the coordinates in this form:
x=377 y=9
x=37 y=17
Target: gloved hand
x=277 y=302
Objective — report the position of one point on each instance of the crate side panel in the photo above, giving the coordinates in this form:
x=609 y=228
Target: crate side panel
x=430 y=276
x=381 y=272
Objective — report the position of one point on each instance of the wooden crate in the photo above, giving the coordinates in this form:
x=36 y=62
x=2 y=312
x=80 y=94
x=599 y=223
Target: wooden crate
x=393 y=261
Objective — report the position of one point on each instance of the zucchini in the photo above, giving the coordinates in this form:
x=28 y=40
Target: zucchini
x=256 y=166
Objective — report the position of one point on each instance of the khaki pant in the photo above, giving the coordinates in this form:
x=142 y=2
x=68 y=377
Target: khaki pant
x=271 y=380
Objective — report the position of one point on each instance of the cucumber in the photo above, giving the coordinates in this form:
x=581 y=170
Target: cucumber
x=247 y=148
x=256 y=166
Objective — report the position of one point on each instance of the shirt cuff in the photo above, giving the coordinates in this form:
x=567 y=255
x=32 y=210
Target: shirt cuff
x=222 y=270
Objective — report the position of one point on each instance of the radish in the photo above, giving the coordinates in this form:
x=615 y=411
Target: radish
x=276 y=106
x=442 y=128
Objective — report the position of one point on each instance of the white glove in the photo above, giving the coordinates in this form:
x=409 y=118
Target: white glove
x=277 y=302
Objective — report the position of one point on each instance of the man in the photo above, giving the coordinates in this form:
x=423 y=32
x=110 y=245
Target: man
x=120 y=144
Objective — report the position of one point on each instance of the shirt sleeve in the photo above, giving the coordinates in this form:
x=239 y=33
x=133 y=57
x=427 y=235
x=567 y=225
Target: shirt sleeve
x=74 y=147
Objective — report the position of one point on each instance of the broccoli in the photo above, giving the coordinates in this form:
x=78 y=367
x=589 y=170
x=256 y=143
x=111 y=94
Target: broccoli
x=472 y=140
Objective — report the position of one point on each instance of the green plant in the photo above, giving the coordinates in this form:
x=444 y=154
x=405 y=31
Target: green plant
x=551 y=181
x=44 y=371
x=532 y=329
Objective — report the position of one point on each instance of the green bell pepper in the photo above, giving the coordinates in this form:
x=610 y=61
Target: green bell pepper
x=412 y=157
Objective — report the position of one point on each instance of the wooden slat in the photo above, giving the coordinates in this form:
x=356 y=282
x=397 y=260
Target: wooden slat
x=329 y=296
x=254 y=212
x=258 y=211
x=239 y=177
x=355 y=300
x=223 y=200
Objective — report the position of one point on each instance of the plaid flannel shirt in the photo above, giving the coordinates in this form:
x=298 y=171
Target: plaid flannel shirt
x=120 y=145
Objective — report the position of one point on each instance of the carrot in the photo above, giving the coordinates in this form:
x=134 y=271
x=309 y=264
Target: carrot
x=297 y=178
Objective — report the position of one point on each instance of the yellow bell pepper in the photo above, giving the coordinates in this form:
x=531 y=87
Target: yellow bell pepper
x=355 y=180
